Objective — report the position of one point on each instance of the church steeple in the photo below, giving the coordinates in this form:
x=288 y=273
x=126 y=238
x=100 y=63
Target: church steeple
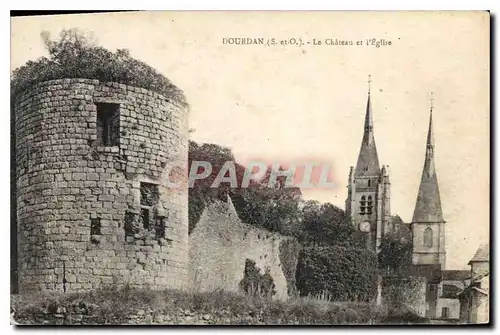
x=428 y=206
x=368 y=195
x=368 y=164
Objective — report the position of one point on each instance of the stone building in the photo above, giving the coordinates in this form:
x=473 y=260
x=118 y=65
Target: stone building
x=93 y=206
x=368 y=190
x=368 y=204
x=475 y=298
x=428 y=224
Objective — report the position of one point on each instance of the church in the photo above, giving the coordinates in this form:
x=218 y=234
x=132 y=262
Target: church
x=368 y=204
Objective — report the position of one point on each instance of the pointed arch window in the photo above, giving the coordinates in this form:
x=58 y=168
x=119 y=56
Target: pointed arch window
x=428 y=237
x=369 y=206
x=362 y=209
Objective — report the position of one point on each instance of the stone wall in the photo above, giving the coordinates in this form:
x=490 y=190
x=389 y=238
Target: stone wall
x=220 y=244
x=76 y=315
x=405 y=292
x=93 y=207
x=428 y=255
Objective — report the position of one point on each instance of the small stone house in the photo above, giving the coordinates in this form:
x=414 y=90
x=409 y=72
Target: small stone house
x=474 y=299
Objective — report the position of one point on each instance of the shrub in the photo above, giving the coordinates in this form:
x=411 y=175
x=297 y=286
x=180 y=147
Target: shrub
x=116 y=306
x=343 y=273
x=74 y=55
x=256 y=284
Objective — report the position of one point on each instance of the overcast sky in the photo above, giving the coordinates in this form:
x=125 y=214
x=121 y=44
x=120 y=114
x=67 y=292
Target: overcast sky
x=302 y=104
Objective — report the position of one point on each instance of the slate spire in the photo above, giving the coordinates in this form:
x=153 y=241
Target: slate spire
x=428 y=206
x=368 y=164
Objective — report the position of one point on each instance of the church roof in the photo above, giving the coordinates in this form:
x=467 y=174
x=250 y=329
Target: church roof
x=431 y=271
x=482 y=254
x=456 y=274
x=368 y=164
x=428 y=206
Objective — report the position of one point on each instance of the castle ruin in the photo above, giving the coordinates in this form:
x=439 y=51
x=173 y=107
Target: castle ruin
x=92 y=203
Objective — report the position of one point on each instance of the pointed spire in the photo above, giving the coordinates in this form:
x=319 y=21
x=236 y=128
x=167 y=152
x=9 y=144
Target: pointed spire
x=369 y=84
x=369 y=116
x=428 y=206
x=368 y=159
x=430 y=135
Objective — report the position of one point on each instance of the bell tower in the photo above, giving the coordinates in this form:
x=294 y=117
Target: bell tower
x=427 y=225
x=368 y=199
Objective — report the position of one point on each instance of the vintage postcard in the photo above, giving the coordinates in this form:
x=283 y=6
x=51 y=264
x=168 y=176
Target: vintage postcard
x=250 y=168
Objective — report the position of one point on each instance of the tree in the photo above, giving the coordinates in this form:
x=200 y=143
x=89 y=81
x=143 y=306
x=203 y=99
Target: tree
x=395 y=252
x=342 y=272
x=201 y=192
x=272 y=208
x=326 y=224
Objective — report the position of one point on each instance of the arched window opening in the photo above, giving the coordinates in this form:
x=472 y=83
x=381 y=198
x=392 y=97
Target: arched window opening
x=369 y=207
x=369 y=182
x=362 y=209
x=428 y=237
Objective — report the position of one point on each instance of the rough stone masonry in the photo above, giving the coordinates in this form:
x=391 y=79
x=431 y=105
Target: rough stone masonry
x=92 y=205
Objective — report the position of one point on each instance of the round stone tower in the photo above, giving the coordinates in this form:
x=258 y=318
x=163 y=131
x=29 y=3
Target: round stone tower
x=93 y=205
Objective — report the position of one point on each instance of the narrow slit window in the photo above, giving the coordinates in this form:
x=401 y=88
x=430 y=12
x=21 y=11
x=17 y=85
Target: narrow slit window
x=145 y=218
x=95 y=226
x=428 y=237
x=362 y=205
x=160 y=227
x=149 y=200
x=369 y=206
x=108 y=124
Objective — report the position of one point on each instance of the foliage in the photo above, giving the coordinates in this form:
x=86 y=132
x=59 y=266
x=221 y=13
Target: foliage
x=344 y=272
x=395 y=252
x=115 y=306
x=275 y=209
x=255 y=283
x=326 y=224
x=201 y=193
x=289 y=250
x=272 y=208
x=75 y=55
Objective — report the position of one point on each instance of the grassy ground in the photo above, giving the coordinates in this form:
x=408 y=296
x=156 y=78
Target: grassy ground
x=112 y=306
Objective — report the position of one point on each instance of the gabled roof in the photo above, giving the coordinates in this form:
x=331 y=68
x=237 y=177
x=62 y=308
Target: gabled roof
x=431 y=271
x=456 y=275
x=472 y=288
x=482 y=254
